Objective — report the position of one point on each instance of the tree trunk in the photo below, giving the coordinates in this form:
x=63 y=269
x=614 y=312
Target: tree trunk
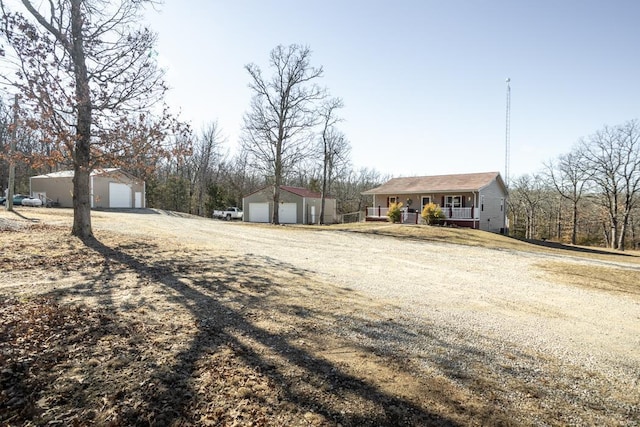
x=12 y=162
x=614 y=233
x=275 y=218
x=324 y=185
x=559 y=229
x=574 y=228
x=81 y=155
x=623 y=232
x=607 y=237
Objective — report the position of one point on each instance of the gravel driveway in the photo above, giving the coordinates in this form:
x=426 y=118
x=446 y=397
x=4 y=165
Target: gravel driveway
x=489 y=319
x=489 y=294
x=484 y=291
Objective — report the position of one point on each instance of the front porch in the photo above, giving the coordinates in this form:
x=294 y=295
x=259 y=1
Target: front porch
x=462 y=217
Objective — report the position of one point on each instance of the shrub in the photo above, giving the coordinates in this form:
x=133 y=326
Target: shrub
x=394 y=212
x=432 y=214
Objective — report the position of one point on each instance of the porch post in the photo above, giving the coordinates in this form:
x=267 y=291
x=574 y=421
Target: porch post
x=475 y=202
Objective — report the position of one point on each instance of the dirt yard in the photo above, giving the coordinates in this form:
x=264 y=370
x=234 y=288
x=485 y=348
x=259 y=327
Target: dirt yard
x=170 y=320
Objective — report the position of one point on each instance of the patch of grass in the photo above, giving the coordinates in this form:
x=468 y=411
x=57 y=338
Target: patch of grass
x=613 y=279
x=464 y=236
x=484 y=239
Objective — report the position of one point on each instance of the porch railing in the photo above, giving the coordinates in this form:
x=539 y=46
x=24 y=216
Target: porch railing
x=458 y=213
x=377 y=212
x=449 y=212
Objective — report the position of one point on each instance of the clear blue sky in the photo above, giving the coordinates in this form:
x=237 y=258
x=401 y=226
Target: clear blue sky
x=423 y=82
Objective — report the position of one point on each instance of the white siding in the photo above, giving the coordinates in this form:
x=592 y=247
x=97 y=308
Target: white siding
x=492 y=214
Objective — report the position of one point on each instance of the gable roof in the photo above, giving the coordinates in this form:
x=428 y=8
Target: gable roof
x=70 y=173
x=302 y=192
x=298 y=191
x=437 y=183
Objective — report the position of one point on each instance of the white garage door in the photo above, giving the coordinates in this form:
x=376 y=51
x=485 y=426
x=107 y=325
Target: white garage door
x=288 y=213
x=119 y=195
x=258 y=212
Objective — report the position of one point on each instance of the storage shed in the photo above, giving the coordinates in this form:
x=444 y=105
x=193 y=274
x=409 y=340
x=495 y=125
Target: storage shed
x=110 y=188
x=297 y=206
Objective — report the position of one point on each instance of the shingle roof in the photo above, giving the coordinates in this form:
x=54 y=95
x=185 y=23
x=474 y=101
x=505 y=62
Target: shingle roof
x=302 y=192
x=436 y=183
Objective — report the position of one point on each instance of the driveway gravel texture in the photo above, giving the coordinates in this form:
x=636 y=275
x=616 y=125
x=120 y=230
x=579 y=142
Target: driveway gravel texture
x=488 y=321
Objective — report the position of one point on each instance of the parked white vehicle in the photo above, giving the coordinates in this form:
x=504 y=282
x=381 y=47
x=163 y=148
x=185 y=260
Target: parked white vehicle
x=229 y=214
x=31 y=201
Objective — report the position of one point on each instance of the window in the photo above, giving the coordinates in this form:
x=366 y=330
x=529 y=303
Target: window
x=425 y=201
x=453 y=202
x=392 y=200
x=482 y=203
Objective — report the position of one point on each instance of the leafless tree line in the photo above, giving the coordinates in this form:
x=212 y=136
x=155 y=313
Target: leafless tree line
x=587 y=196
x=204 y=176
x=211 y=178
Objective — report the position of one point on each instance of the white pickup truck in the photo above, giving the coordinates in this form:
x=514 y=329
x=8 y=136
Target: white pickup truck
x=229 y=214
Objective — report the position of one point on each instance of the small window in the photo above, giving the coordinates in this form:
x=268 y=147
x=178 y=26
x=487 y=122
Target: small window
x=392 y=200
x=481 y=203
x=425 y=200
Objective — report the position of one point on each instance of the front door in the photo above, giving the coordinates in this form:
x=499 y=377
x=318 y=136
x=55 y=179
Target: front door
x=425 y=201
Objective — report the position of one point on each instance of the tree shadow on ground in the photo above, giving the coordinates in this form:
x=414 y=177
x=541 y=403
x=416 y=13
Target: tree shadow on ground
x=224 y=318
x=26 y=218
x=237 y=347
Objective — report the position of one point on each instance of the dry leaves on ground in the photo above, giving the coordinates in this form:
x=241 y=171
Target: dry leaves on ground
x=124 y=331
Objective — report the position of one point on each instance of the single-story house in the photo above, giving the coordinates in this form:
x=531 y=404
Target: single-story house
x=110 y=188
x=297 y=206
x=475 y=200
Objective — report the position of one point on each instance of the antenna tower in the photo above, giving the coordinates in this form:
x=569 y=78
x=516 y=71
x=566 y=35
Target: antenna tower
x=507 y=135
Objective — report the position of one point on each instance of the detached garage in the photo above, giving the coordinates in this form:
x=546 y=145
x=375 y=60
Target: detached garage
x=297 y=206
x=110 y=188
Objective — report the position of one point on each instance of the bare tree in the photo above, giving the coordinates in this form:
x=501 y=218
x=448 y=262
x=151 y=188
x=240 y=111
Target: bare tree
x=527 y=192
x=5 y=123
x=570 y=179
x=88 y=71
x=334 y=146
x=278 y=126
x=241 y=179
x=207 y=160
x=351 y=185
x=613 y=156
